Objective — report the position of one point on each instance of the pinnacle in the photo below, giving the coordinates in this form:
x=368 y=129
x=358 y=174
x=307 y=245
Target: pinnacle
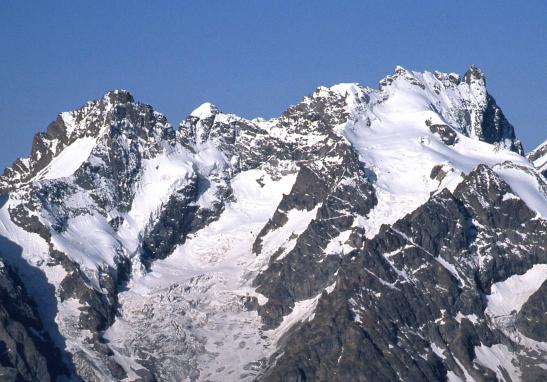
x=119 y=96
x=474 y=74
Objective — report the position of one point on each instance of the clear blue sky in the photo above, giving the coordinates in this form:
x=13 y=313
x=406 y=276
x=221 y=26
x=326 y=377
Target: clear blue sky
x=254 y=58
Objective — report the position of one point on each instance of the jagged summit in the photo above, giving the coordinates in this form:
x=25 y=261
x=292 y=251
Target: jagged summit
x=474 y=74
x=118 y=96
x=71 y=138
x=465 y=106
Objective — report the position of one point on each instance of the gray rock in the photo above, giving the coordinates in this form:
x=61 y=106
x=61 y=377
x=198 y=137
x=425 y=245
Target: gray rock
x=27 y=353
x=399 y=296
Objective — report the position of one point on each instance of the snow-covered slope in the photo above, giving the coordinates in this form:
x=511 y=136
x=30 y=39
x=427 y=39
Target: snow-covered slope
x=199 y=253
x=413 y=125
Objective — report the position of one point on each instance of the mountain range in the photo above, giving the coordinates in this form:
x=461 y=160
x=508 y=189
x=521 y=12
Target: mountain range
x=396 y=233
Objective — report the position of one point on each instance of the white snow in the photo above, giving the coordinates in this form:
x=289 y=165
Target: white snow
x=302 y=310
x=471 y=317
x=509 y=295
x=201 y=285
x=70 y=122
x=204 y=111
x=509 y=196
x=285 y=236
x=438 y=350
x=526 y=186
x=69 y=159
x=452 y=377
x=498 y=358
x=401 y=151
x=162 y=176
x=338 y=246
x=89 y=240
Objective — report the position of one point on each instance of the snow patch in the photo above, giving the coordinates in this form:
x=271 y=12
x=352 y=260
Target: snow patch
x=88 y=240
x=509 y=295
x=69 y=160
x=498 y=358
x=438 y=350
x=526 y=185
x=285 y=237
x=471 y=317
x=302 y=311
x=338 y=246
x=204 y=111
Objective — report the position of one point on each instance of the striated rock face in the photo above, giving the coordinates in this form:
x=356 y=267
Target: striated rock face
x=363 y=234
x=411 y=303
x=487 y=121
x=539 y=158
x=27 y=353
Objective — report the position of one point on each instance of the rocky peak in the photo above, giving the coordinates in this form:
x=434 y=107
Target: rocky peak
x=208 y=124
x=90 y=118
x=399 y=70
x=474 y=75
x=483 y=183
x=484 y=177
x=489 y=124
x=118 y=96
x=321 y=111
x=201 y=125
x=115 y=114
x=453 y=78
x=484 y=118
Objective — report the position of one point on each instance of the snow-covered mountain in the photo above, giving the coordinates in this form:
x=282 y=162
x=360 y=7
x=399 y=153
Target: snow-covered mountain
x=390 y=233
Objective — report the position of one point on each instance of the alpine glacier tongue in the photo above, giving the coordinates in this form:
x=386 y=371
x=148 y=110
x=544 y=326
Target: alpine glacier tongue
x=364 y=233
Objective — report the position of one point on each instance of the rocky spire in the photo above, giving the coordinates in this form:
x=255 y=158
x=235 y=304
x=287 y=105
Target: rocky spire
x=474 y=75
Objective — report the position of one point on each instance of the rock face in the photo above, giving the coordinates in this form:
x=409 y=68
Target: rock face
x=487 y=121
x=363 y=234
x=27 y=353
x=539 y=158
x=410 y=303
